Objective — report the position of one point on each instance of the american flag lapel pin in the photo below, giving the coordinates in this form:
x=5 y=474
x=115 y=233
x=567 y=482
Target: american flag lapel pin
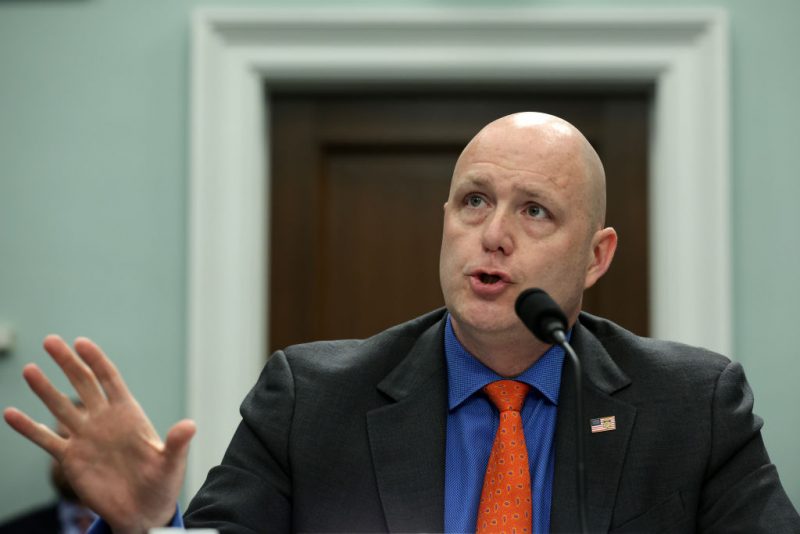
x=603 y=424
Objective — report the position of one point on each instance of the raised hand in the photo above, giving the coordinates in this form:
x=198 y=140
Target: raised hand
x=113 y=457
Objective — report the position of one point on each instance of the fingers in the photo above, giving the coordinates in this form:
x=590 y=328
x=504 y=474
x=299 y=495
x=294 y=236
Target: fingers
x=35 y=432
x=104 y=370
x=178 y=438
x=79 y=374
x=59 y=404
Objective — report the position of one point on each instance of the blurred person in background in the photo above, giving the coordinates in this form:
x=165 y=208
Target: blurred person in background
x=66 y=515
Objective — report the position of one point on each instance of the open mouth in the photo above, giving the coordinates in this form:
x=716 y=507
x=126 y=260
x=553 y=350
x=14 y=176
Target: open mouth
x=488 y=278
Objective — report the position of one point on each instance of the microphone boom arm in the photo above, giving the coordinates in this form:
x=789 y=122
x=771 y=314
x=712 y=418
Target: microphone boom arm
x=545 y=319
x=580 y=476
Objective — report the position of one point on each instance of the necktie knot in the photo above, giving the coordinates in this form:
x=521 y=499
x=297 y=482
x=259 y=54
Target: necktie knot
x=507 y=395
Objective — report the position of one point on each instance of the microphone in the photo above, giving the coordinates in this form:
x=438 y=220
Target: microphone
x=540 y=313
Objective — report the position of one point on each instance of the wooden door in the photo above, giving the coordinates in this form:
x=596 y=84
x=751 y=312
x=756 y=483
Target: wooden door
x=358 y=184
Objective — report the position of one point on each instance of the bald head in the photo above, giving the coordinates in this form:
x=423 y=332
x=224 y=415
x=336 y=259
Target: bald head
x=525 y=209
x=544 y=143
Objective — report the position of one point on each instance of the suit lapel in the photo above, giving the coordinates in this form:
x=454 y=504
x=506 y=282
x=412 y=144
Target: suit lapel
x=604 y=451
x=407 y=438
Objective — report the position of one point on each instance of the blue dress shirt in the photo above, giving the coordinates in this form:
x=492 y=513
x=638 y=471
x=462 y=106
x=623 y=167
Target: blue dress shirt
x=472 y=422
x=101 y=527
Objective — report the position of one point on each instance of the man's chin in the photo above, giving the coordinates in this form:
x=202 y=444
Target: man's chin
x=484 y=321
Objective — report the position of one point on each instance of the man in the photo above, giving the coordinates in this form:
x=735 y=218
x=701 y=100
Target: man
x=395 y=432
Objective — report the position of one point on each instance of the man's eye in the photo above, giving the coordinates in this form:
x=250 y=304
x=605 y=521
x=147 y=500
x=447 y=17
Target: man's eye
x=537 y=212
x=474 y=201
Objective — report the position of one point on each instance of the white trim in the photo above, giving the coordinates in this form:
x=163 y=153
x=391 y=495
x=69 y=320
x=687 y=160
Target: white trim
x=237 y=53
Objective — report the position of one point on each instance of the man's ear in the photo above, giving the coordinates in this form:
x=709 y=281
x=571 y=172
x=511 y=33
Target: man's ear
x=604 y=244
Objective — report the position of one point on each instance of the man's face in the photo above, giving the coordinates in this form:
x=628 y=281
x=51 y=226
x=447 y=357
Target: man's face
x=518 y=216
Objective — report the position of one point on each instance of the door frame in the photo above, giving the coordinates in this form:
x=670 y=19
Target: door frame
x=237 y=53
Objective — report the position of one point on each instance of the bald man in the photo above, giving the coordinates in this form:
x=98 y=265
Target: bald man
x=395 y=432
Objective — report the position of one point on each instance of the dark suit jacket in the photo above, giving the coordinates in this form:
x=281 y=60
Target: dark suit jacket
x=43 y=520
x=349 y=436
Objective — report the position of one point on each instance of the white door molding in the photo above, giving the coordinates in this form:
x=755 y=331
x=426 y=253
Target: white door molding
x=238 y=54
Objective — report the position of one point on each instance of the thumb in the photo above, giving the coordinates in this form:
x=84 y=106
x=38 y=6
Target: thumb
x=178 y=438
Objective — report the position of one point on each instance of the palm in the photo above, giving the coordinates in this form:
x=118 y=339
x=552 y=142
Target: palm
x=117 y=448
x=112 y=455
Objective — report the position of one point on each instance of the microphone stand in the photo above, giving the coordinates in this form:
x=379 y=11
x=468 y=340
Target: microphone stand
x=561 y=339
x=546 y=320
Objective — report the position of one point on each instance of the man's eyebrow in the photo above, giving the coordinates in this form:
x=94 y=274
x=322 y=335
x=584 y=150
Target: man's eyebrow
x=474 y=181
x=480 y=182
x=530 y=192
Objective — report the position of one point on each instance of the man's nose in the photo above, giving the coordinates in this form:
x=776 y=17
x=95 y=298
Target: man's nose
x=498 y=233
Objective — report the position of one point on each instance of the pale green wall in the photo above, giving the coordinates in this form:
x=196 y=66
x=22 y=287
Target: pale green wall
x=93 y=176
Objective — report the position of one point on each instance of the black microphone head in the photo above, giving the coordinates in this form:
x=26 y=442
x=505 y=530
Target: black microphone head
x=540 y=313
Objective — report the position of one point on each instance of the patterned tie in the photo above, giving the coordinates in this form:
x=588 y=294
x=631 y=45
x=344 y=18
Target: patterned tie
x=506 y=497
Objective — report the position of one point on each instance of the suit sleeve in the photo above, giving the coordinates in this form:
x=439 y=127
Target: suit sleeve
x=742 y=492
x=250 y=491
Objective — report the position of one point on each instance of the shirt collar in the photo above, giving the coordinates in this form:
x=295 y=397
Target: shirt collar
x=466 y=375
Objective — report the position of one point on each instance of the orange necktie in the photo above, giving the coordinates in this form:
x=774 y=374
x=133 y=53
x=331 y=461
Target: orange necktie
x=506 y=497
